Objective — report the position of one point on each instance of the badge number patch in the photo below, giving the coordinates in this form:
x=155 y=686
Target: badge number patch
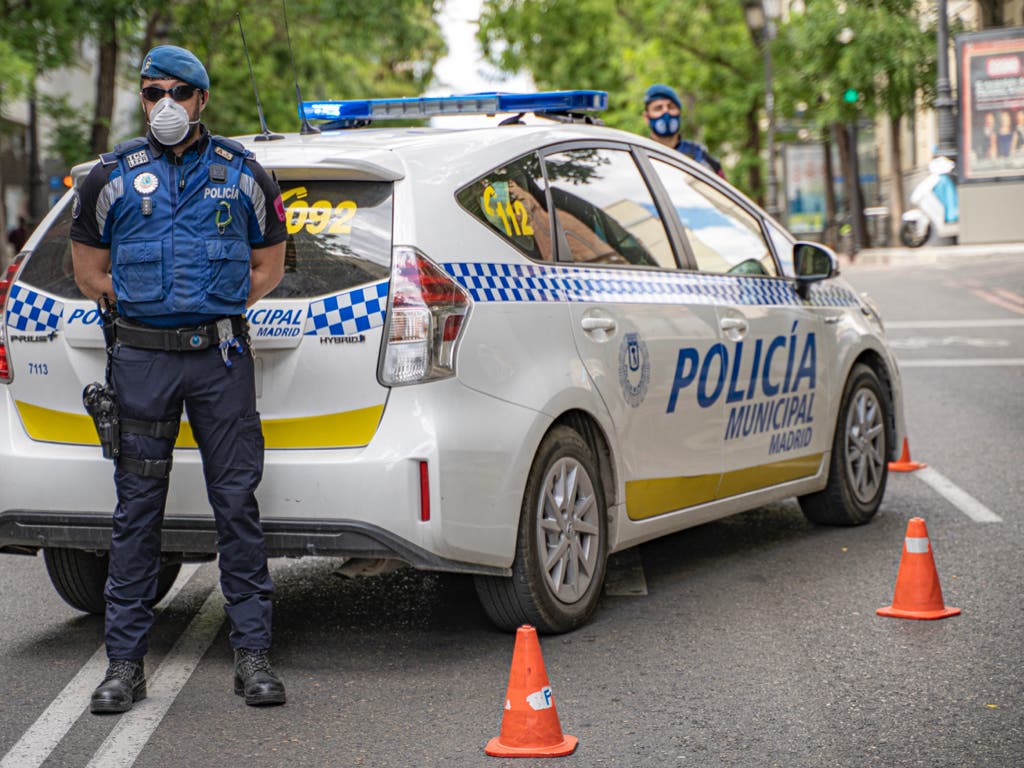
x=137 y=158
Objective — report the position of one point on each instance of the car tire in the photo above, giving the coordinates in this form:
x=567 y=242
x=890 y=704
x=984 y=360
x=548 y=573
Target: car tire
x=859 y=467
x=911 y=238
x=79 y=577
x=562 y=544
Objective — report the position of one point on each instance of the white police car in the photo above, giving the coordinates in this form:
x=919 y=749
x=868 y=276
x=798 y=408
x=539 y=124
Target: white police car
x=505 y=351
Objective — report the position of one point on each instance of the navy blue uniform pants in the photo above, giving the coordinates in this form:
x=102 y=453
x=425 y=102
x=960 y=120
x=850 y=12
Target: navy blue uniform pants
x=221 y=405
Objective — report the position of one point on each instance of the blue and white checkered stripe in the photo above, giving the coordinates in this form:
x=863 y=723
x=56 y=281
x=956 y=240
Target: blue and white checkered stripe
x=30 y=311
x=535 y=282
x=349 y=313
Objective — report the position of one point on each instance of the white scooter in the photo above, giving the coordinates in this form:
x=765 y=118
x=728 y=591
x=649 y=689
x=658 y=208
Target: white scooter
x=938 y=211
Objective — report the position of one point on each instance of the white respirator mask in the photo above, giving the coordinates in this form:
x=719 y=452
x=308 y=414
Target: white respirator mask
x=169 y=122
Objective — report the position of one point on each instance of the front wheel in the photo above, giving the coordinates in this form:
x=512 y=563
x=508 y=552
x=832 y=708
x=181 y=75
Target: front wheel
x=860 y=456
x=562 y=545
x=914 y=236
x=79 y=577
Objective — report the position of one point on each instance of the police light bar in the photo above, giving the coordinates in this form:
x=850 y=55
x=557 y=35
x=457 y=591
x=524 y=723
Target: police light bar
x=416 y=108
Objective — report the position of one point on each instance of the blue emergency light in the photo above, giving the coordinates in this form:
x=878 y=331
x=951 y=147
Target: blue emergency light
x=358 y=111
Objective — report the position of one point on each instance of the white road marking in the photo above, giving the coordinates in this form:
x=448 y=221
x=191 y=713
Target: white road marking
x=625 y=574
x=920 y=342
x=994 y=323
x=52 y=725
x=971 y=362
x=957 y=496
x=130 y=736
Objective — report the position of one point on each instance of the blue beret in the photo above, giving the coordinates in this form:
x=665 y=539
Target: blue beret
x=662 y=91
x=170 y=61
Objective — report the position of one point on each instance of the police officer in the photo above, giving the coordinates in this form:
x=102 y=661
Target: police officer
x=662 y=111
x=181 y=230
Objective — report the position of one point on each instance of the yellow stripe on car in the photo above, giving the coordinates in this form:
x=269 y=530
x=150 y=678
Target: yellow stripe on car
x=331 y=430
x=657 y=496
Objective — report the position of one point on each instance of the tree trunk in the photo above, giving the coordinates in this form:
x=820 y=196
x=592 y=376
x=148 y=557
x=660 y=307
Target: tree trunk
x=106 y=79
x=839 y=136
x=753 y=149
x=896 y=161
x=36 y=191
x=831 y=211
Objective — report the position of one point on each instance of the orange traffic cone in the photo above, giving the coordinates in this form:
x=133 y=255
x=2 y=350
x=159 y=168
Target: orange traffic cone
x=918 y=594
x=905 y=464
x=529 y=727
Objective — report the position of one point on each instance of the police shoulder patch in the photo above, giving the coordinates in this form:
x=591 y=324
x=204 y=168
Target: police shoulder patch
x=223 y=152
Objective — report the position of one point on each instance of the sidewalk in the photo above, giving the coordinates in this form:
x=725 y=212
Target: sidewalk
x=930 y=254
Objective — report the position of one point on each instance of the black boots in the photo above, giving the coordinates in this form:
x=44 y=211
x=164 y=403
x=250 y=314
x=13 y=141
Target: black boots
x=123 y=685
x=255 y=679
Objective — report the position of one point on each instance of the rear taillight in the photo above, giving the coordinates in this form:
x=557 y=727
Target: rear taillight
x=5 y=289
x=426 y=314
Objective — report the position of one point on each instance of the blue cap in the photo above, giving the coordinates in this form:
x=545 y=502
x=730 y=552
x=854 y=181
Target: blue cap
x=662 y=91
x=170 y=61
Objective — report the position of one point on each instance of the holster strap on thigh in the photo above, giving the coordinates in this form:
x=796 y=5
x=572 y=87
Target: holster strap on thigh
x=145 y=467
x=164 y=429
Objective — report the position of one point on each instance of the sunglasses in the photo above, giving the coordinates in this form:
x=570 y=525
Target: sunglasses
x=182 y=92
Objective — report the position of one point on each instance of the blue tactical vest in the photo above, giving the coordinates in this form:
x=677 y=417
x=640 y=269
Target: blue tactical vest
x=179 y=242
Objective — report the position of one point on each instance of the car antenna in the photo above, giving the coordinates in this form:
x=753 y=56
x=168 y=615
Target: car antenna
x=266 y=135
x=307 y=127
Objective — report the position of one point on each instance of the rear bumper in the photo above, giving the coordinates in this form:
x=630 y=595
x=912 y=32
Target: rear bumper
x=24 y=532
x=355 y=502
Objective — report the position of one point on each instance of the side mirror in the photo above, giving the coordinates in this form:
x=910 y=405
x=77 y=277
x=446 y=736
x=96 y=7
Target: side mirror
x=813 y=262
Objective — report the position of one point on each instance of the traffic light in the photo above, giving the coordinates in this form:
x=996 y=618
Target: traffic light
x=851 y=95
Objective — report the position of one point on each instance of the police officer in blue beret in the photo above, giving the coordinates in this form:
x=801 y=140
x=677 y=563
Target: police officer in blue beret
x=662 y=111
x=174 y=234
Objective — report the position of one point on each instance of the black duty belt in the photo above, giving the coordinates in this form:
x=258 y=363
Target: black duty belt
x=192 y=339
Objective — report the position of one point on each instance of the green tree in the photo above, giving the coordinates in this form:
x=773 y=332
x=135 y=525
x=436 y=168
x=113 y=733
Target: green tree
x=881 y=50
x=350 y=49
x=703 y=49
x=40 y=36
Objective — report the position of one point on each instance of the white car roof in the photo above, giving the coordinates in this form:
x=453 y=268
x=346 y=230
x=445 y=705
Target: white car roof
x=434 y=154
x=448 y=155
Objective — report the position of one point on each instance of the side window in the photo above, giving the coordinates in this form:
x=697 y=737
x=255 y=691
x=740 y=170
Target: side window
x=605 y=209
x=510 y=200
x=783 y=243
x=49 y=267
x=724 y=238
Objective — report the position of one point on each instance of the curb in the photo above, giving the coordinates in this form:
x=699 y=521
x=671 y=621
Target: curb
x=948 y=254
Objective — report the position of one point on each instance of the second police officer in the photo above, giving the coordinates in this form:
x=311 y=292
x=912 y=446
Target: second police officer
x=663 y=111
x=182 y=230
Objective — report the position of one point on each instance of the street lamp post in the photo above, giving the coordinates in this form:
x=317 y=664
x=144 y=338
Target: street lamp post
x=760 y=17
x=943 y=92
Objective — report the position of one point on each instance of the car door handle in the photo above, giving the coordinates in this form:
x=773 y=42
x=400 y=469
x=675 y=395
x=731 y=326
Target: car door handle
x=733 y=324
x=833 y=319
x=598 y=324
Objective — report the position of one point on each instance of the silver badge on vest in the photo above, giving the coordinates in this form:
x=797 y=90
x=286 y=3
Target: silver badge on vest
x=146 y=183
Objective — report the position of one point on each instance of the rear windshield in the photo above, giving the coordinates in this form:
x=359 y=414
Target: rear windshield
x=339 y=236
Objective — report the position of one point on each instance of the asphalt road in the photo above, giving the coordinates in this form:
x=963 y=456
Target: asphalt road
x=747 y=642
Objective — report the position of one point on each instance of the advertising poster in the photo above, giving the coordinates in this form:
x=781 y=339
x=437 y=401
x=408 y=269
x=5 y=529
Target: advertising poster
x=805 y=188
x=991 y=76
